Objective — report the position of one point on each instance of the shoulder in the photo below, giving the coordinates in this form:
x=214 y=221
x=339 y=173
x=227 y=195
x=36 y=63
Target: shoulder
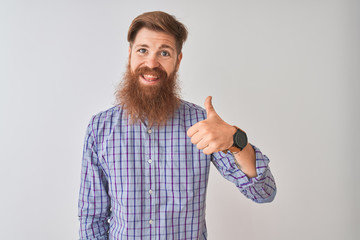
x=106 y=116
x=188 y=106
x=192 y=111
x=104 y=120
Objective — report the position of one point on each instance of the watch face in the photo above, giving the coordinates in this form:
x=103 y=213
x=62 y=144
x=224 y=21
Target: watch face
x=240 y=139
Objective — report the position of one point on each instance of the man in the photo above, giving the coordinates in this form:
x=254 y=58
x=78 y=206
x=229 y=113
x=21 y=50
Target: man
x=146 y=161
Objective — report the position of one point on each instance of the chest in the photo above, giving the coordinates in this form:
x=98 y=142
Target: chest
x=162 y=159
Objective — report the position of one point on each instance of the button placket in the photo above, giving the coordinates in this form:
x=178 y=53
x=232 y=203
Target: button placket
x=148 y=173
x=151 y=166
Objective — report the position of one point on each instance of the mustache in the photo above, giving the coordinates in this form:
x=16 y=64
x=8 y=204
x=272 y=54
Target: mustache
x=151 y=71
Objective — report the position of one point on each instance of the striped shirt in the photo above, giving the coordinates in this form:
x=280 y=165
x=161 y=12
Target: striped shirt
x=150 y=183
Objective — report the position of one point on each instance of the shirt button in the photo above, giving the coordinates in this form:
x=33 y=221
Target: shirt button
x=149 y=131
x=150 y=221
x=149 y=161
x=150 y=191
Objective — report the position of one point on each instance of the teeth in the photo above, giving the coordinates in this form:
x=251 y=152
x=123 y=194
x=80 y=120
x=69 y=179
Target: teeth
x=150 y=78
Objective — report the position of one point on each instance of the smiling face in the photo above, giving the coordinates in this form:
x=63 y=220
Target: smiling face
x=149 y=91
x=155 y=54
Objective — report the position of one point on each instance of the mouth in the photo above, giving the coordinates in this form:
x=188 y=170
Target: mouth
x=150 y=79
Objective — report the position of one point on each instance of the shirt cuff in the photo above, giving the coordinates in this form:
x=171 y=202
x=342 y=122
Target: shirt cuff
x=241 y=179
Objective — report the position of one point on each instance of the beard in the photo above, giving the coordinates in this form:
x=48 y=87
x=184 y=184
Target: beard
x=155 y=103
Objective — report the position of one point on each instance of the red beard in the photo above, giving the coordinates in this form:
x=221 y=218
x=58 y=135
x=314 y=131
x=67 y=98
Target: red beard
x=154 y=104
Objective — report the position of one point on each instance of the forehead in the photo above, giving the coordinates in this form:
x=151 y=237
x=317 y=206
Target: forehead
x=154 y=38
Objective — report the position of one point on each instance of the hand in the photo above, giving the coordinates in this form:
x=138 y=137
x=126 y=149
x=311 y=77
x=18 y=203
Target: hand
x=212 y=134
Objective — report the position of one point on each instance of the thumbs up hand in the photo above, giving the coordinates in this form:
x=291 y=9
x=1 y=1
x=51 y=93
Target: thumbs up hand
x=212 y=134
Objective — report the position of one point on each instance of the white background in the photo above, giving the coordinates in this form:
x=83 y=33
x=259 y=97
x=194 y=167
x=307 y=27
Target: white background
x=287 y=72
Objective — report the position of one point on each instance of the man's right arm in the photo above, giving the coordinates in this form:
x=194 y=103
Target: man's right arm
x=94 y=202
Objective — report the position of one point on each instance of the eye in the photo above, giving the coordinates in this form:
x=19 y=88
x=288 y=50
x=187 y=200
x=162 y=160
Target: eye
x=165 y=53
x=142 y=50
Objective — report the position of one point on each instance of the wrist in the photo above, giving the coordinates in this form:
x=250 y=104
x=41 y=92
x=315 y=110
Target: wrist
x=239 y=140
x=232 y=131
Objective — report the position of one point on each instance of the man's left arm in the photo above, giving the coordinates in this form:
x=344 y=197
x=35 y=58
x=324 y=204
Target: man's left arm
x=214 y=135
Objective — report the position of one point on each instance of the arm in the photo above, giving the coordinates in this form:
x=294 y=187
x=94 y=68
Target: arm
x=246 y=160
x=213 y=135
x=260 y=189
x=94 y=204
x=248 y=169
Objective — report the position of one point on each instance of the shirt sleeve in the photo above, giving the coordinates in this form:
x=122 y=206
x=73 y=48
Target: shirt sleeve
x=260 y=189
x=94 y=202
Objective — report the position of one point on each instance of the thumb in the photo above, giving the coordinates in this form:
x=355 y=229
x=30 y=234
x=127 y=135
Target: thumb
x=209 y=107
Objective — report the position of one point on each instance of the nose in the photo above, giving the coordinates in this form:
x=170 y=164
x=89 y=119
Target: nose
x=152 y=61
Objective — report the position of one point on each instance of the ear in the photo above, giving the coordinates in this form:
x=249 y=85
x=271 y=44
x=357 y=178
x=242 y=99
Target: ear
x=129 y=51
x=178 y=61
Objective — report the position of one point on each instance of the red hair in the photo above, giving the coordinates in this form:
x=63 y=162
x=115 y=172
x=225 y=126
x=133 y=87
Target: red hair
x=159 y=21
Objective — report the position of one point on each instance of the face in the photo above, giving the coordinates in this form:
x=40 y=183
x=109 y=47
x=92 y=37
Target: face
x=154 y=50
x=149 y=90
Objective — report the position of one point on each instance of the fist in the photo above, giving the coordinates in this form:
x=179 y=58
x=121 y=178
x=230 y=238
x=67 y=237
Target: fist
x=212 y=134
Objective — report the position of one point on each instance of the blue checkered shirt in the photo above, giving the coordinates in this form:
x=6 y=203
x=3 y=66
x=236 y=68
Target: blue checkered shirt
x=150 y=183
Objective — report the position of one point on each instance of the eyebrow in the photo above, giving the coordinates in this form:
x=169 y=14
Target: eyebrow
x=141 y=45
x=166 y=46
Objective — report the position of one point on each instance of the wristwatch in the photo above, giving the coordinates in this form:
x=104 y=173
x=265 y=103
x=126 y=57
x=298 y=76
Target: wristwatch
x=240 y=141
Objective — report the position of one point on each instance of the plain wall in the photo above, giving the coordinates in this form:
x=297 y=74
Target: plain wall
x=287 y=72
